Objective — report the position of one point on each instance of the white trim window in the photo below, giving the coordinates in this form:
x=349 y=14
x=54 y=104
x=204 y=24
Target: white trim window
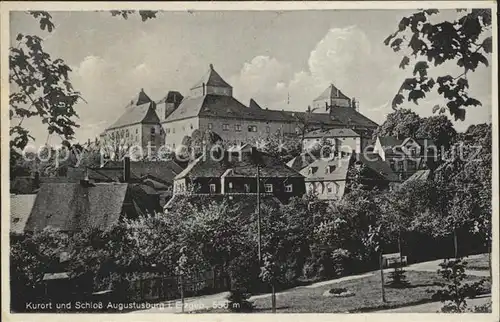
x=225 y=127
x=213 y=188
x=237 y=127
x=268 y=187
x=289 y=188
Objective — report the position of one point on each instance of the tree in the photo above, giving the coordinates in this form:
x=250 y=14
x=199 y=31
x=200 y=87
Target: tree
x=438 y=128
x=401 y=123
x=41 y=85
x=465 y=41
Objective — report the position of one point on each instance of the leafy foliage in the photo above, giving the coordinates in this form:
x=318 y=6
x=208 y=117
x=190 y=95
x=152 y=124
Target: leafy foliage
x=463 y=41
x=455 y=291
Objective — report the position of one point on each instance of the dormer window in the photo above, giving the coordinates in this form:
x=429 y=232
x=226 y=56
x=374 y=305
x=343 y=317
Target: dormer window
x=329 y=169
x=313 y=170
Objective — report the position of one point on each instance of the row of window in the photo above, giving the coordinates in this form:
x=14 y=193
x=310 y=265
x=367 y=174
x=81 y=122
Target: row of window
x=168 y=130
x=267 y=187
x=320 y=188
x=411 y=165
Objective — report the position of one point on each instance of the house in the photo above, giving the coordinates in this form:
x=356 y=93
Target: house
x=20 y=210
x=406 y=156
x=138 y=126
x=236 y=171
x=340 y=139
x=72 y=207
x=329 y=178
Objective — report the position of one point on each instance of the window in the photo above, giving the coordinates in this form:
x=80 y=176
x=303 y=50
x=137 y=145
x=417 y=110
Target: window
x=153 y=134
x=268 y=129
x=225 y=127
x=412 y=165
x=288 y=188
x=401 y=165
x=237 y=127
x=247 y=187
x=210 y=126
x=173 y=130
x=136 y=131
x=392 y=163
x=268 y=187
x=329 y=188
x=252 y=128
x=191 y=126
x=167 y=130
x=230 y=185
x=212 y=188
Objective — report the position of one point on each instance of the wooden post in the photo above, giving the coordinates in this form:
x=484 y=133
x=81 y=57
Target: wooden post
x=455 y=242
x=273 y=298
x=382 y=277
x=182 y=292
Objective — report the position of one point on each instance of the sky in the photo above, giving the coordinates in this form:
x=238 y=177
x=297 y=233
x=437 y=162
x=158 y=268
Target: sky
x=265 y=55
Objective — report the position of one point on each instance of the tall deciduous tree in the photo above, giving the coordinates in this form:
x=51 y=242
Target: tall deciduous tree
x=465 y=41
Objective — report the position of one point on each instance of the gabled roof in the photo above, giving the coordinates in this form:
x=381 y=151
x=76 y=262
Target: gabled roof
x=389 y=141
x=253 y=104
x=163 y=170
x=171 y=97
x=139 y=110
x=211 y=78
x=241 y=163
x=332 y=133
x=73 y=206
x=331 y=92
x=337 y=169
x=350 y=117
x=20 y=210
x=225 y=107
x=374 y=161
x=300 y=162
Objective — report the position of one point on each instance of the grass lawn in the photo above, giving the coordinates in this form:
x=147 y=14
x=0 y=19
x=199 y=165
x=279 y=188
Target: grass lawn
x=481 y=263
x=367 y=296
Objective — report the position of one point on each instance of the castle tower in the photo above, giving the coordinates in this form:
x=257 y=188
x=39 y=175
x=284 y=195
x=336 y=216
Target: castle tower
x=211 y=83
x=332 y=97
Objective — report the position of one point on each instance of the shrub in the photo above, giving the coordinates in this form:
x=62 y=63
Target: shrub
x=397 y=277
x=339 y=259
x=455 y=291
x=338 y=290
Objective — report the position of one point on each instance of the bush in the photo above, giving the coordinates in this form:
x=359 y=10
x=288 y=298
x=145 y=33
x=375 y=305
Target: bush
x=455 y=291
x=340 y=258
x=238 y=301
x=338 y=290
x=397 y=277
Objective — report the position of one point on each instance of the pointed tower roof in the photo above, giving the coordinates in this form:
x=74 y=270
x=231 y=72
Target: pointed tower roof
x=141 y=109
x=253 y=104
x=212 y=78
x=331 y=92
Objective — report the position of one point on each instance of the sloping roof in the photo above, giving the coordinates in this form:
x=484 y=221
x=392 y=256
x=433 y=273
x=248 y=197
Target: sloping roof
x=420 y=175
x=389 y=141
x=331 y=92
x=171 y=97
x=253 y=104
x=350 y=117
x=242 y=164
x=331 y=133
x=374 y=161
x=143 y=113
x=163 y=170
x=211 y=78
x=72 y=207
x=300 y=161
x=314 y=118
x=20 y=210
x=225 y=107
x=338 y=168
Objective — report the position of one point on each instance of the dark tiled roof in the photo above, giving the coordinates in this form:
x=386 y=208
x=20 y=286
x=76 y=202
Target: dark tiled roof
x=374 y=161
x=171 y=97
x=163 y=170
x=389 y=141
x=72 y=207
x=338 y=170
x=331 y=133
x=211 y=78
x=245 y=166
x=300 y=161
x=331 y=92
x=20 y=210
x=350 y=117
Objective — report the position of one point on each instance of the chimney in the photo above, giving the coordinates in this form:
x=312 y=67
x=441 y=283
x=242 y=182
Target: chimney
x=211 y=67
x=126 y=169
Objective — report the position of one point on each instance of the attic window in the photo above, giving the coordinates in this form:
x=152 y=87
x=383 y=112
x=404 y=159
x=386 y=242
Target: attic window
x=16 y=220
x=313 y=170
